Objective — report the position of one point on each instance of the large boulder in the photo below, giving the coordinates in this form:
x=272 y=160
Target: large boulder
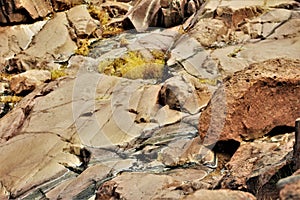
x=256 y=100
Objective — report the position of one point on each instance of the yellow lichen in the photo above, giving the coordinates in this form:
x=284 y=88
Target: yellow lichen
x=235 y=52
x=134 y=65
x=10 y=99
x=83 y=47
x=102 y=15
x=213 y=82
x=57 y=73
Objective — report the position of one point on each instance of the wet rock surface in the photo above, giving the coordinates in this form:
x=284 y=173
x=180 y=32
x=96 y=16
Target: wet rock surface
x=202 y=110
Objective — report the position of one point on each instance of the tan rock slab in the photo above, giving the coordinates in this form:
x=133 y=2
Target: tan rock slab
x=19 y=173
x=53 y=40
x=219 y=195
x=72 y=188
x=81 y=21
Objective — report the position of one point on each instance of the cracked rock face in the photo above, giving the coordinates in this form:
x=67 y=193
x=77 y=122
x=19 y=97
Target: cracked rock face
x=94 y=135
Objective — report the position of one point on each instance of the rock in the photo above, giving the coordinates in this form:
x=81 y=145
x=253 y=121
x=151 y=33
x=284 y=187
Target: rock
x=59 y=45
x=32 y=10
x=265 y=92
x=296 y=154
x=179 y=94
x=29 y=80
x=219 y=194
x=290 y=186
x=17 y=38
x=82 y=22
x=208 y=32
x=134 y=185
x=74 y=188
x=237 y=57
x=255 y=163
x=47 y=160
x=142 y=14
x=44 y=50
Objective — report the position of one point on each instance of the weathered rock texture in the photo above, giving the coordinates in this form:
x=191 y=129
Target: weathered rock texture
x=220 y=194
x=130 y=138
x=254 y=164
x=14 y=11
x=290 y=186
x=257 y=99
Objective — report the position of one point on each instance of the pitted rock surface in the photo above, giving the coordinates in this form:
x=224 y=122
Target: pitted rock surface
x=257 y=99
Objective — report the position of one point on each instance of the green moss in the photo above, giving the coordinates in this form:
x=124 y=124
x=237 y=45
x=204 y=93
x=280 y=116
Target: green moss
x=57 y=73
x=133 y=65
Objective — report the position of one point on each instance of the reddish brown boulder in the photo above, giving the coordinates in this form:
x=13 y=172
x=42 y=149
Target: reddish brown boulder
x=255 y=100
x=290 y=186
x=255 y=166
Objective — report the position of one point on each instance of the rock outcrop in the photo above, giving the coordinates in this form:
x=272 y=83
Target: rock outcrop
x=257 y=99
x=91 y=111
x=13 y=11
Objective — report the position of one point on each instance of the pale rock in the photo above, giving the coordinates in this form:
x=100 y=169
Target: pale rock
x=81 y=21
x=59 y=46
x=46 y=157
x=148 y=104
x=17 y=38
x=35 y=8
x=180 y=94
x=237 y=57
x=134 y=186
x=29 y=80
x=166 y=116
x=142 y=13
x=73 y=187
x=28 y=11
